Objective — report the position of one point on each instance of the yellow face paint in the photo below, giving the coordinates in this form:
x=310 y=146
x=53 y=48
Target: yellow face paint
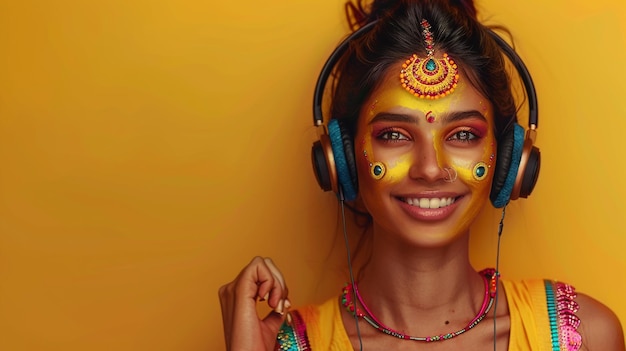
x=415 y=139
x=394 y=169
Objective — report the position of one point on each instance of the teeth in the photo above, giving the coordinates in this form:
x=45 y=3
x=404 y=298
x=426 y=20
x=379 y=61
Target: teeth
x=430 y=202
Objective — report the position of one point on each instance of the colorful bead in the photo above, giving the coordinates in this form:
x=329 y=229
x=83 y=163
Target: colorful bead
x=293 y=336
x=350 y=290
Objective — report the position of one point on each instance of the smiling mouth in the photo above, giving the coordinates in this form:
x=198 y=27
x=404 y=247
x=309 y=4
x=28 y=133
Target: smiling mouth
x=429 y=202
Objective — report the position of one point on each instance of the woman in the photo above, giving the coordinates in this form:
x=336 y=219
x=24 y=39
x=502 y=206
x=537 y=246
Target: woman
x=425 y=116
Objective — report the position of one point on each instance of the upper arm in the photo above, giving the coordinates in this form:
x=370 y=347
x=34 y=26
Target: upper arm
x=600 y=328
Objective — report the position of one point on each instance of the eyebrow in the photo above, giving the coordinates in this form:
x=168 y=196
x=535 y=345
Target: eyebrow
x=393 y=117
x=461 y=115
x=447 y=117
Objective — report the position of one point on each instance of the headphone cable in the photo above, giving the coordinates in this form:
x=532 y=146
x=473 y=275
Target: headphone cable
x=495 y=308
x=345 y=237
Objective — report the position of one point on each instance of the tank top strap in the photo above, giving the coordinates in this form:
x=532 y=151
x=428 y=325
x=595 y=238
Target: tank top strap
x=562 y=308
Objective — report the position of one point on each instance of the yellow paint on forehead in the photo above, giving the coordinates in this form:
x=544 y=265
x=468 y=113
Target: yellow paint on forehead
x=391 y=95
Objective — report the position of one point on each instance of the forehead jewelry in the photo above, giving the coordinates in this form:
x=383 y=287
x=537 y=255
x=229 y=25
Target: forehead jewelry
x=480 y=171
x=429 y=78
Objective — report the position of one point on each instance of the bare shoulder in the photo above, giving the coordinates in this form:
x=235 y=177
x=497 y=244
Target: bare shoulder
x=600 y=328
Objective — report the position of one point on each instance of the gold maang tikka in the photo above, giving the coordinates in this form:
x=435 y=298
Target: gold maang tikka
x=429 y=78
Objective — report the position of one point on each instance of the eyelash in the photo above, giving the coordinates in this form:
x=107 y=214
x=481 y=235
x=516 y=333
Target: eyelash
x=470 y=137
x=392 y=135
x=385 y=135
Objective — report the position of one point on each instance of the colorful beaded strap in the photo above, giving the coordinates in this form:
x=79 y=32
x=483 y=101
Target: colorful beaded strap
x=292 y=336
x=562 y=313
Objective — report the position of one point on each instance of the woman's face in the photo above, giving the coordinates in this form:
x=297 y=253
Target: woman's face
x=424 y=166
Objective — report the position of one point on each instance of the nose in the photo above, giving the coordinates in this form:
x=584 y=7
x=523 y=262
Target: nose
x=426 y=165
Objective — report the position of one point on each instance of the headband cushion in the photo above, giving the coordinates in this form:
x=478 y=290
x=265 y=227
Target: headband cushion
x=341 y=164
x=507 y=164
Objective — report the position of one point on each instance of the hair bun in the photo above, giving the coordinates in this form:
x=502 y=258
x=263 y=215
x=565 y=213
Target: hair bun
x=467 y=6
x=362 y=12
x=359 y=13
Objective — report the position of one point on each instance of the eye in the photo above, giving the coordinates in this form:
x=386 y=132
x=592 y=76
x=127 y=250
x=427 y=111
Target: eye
x=465 y=136
x=391 y=135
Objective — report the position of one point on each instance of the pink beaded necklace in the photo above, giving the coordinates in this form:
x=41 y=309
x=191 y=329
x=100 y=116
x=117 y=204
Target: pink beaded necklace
x=489 y=276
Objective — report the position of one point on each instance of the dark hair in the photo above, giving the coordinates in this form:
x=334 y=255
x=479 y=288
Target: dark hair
x=398 y=34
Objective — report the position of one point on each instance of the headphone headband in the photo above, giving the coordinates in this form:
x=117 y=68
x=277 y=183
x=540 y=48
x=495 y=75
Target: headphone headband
x=517 y=162
x=335 y=56
x=527 y=80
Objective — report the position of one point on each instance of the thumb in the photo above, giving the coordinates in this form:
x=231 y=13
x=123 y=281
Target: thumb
x=275 y=320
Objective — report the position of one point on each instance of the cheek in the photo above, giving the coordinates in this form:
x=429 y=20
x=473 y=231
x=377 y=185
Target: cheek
x=365 y=159
x=396 y=167
x=477 y=171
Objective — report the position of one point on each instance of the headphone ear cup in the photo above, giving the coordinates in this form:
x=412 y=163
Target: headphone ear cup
x=343 y=152
x=528 y=170
x=508 y=159
x=322 y=168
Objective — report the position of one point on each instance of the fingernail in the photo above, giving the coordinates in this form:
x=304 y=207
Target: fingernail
x=267 y=296
x=287 y=304
x=281 y=307
x=289 y=318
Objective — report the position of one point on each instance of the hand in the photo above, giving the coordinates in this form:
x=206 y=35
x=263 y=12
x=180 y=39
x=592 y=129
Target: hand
x=243 y=329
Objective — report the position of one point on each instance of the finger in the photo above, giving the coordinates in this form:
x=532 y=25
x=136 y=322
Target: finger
x=280 y=300
x=266 y=284
x=269 y=288
x=275 y=320
x=239 y=298
x=275 y=271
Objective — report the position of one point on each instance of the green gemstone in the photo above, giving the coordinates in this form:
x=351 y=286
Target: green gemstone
x=431 y=65
x=378 y=170
x=480 y=171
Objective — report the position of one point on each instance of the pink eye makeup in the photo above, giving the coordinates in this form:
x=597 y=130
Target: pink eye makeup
x=390 y=134
x=465 y=135
x=468 y=133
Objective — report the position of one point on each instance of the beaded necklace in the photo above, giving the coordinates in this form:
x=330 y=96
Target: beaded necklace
x=489 y=276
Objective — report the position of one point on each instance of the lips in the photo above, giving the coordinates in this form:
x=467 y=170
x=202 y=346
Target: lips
x=431 y=208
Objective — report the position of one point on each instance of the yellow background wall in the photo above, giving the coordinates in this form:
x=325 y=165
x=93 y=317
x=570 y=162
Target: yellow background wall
x=149 y=149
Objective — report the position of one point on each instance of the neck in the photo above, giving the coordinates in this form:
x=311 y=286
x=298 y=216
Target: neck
x=405 y=284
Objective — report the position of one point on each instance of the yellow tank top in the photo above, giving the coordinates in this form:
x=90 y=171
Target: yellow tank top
x=538 y=309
